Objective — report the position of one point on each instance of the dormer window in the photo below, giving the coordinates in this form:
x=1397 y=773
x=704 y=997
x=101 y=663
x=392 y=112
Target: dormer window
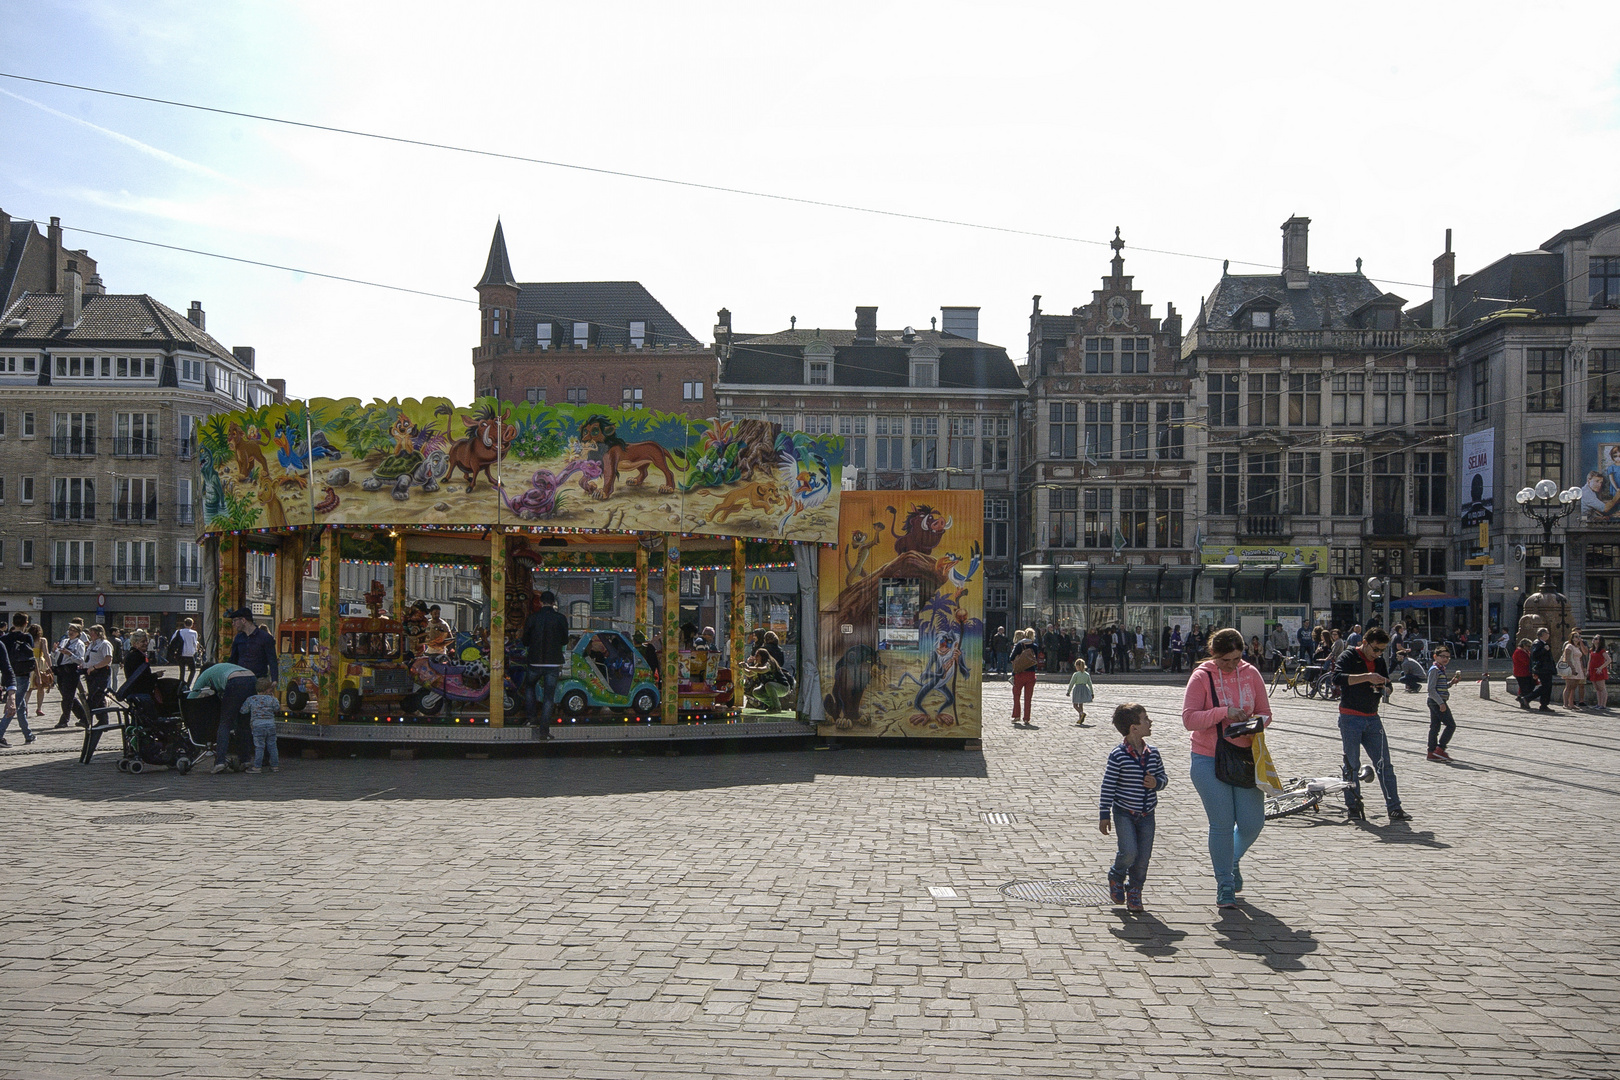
x=925 y=372
x=638 y=334
x=820 y=373
x=582 y=335
x=544 y=335
x=1260 y=320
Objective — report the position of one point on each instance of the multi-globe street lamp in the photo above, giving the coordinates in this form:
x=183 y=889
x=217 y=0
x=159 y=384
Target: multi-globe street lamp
x=1549 y=506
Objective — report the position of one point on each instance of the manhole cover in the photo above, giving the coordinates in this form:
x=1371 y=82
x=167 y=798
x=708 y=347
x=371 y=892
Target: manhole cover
x=141 y=819
x=1057 y=892
x=995 y=817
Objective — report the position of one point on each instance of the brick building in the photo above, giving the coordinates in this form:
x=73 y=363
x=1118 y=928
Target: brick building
x=585 y=342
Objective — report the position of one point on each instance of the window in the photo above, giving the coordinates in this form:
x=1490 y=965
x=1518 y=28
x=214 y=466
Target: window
x=1544 y=461
x=1223 y=400
x=1344 y=561
x=818 y=424
x=135 y=562
x=1481 y=383
x=1135 y=509
x=495 y=322
x=995 y=597
x=1170 y=434
x=2 y=424
x=1099 y=356
x=1603 y=380
x=1429 y=484
x=997 y=517
x=578 y=395
x=1063 y=518
x=28 y=425
x=1349 y=484
x=545 y=335
x=1265 y=400
x=1133 y=429
x=1260 y=320
x=820 y=373
x=136 y=499
x=579 y=615
x=924 y=372
x=191 y=370
x=75 y=562
x=189 y=570
x=184 y=513
x=28 y=553
x=891 y=443
x=1389 y=484
x=1063 y=430
x=1169 y=526
x=1098 y=522
x=925 y=442
x=1265 y=483
x=638 y=333
x=630 y=397
x=2 y=489
x=692 y=390
x=1603 y=275
x=1544 y=380
x=994 y=442
x=75 y=499
x=1347 y=399
x=1304 y=491
x=534 y=395
x=962 y=450
x=582 y=335
x=1099 y=430
x=28 y=489
x=1429 y=562
x=1304 y=399
x=1429 y=398
x=1133 y=355
x=1389 y=398
x=137 y=435
x=853 y=429
x=1223 y=482
x=73 y=434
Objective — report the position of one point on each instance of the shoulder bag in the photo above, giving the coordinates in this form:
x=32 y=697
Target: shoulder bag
x=1234 y=764
x=1023 y=661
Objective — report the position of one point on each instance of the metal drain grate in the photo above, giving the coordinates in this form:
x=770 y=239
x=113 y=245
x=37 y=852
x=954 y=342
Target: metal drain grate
x=996 y=817
x=141 y=819
x=1076 y=893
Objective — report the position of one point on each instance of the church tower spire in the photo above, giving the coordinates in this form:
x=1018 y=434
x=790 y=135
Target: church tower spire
x=497 y=298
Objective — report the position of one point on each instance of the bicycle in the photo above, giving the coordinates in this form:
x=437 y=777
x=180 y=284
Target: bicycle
x=1293 y=675
x=1300 y=795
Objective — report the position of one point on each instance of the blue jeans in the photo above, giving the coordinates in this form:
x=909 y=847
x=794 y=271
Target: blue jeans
x=16 y=699
x=1135 y=835
x=264 y=745
x=1366 y=731
x=546 y=676
x=1236 y=816
x=237 y=691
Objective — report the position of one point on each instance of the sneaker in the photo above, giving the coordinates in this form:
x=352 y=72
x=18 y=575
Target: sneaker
x=29 y=739
x=251 y=769
x=275 y=768
x=1443 y=755
x=217 y=769
x=4 y=745
x=1237 y=879
x=1116 y=891
x=1435 y=755
x=1133 y=900
x=1545 y=708
x=1399 y=815
x=1225 y=899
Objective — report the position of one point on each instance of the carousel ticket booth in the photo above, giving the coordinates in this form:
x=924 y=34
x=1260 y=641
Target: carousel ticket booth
x=612 y=510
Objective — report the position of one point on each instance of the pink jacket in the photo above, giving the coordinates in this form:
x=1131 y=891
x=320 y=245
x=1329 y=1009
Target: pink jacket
x=1245 y=687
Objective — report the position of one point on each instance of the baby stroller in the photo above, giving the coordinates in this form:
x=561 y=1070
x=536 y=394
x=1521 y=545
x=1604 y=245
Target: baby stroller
x=153 y=731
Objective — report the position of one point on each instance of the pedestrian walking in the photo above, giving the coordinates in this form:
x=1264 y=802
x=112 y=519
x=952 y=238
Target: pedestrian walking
x=1572 y=669
x=1524 y=683
x=1131 y=783
x=186 y=637
x=1361 y=674
x=65 y=663
x=1080 y=691
x=1543 y=665
x=1222 y=690
x=1178 y=647
x=1442 y=725
x=261 y=709
x=998 y=651
x=17 y=658
x=1597 y=670
x=44 y=677
x=545 y=636
x=1026 y=657
x=96 y=669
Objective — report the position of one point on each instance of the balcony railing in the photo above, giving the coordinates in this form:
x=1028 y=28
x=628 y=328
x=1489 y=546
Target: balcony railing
x=1316 y=340
x=73 y=446
x=136 y=512
x=72 y=574
x=127 y=446
x=185 y=515
x=1265 y=527
x=73 y=511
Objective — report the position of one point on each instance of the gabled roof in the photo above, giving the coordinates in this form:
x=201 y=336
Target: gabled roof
x=609 y=305
x=1583 y=232
x=1329 y=301
x=778 y=360
x=498 y=268
x=104 y=320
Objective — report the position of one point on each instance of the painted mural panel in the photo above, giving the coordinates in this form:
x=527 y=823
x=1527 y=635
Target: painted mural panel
x=430 y=462
x=901 y=628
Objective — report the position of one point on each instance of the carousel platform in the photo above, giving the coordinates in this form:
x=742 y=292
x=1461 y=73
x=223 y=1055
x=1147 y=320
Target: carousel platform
x=524 y=735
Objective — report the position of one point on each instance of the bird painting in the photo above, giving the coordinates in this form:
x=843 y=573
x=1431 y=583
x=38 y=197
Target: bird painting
x=808 y=481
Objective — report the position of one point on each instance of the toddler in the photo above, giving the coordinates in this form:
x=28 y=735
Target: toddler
x=1080 y=691
x=1130 y=792
x=261 y=709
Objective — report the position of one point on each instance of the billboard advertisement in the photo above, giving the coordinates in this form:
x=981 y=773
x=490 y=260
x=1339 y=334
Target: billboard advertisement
x=1598 y=473
x=1477 y=469
x=1266 y=555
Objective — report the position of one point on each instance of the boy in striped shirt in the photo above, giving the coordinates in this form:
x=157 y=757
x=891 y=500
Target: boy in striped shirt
x=1130 y=792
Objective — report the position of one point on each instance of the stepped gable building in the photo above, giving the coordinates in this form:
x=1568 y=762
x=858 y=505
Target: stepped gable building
x=1108 y=522
x=100 y=396
x=1535 y=339
x=1325 y=454
x=919 y=410
x=585 y=342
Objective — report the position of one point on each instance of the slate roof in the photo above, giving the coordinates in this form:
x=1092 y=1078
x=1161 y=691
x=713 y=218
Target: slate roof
x=1584 y=232
x=1329 y=302
x=498 y=269
x=610 y=305
x=104 y=320
x=778 y=360
x=13 y=248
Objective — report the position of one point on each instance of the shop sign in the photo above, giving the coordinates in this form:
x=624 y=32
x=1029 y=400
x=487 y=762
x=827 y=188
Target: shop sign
x=191 y=604
x=602 y=594
x=1266 y=555
x=260 y=608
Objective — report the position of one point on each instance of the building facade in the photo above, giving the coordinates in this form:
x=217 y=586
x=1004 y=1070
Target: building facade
x=1325 y=451
x=1107 y=528
x=585 y=342
x=920 y=410
x=99 y=397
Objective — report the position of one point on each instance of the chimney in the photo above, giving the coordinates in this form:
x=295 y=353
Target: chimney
x=244 y=353
x=279 y=388
x=74 y=291
x=1445 y=280
x=196 y=317
x=53 y=238
x=866 y=326
x=961 y=321
x=94 y=286
x=1296 y=271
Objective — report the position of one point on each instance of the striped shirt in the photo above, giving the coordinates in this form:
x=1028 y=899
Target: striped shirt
x=1122 y=780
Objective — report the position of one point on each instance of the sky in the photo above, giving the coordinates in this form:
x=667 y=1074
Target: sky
x=1196 y=129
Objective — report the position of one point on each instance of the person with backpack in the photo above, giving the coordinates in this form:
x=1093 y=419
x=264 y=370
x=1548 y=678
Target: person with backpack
x=1026 y=657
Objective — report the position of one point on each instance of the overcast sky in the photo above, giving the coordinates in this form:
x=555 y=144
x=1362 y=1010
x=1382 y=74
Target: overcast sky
x=1195 y=128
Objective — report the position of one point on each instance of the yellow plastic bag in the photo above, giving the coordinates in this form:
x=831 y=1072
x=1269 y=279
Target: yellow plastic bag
x=1265 y=770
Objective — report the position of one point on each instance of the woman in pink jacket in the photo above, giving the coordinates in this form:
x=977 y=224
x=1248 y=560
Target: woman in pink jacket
x=1224 y=689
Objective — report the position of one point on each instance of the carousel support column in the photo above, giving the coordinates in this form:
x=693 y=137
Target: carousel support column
x=739 y=605
x=399 y=578
x=672 y=629
x=229 y=592
x=327 y=689
x=642 y=565
x=497 y=627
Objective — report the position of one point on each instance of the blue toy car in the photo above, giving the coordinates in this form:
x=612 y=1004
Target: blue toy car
x=605 y=671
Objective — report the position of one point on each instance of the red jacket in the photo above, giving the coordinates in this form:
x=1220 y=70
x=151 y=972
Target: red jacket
x=1521 y=664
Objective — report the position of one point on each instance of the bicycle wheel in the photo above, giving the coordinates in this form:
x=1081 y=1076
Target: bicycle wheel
x=1303 y=687
x=1291 y=802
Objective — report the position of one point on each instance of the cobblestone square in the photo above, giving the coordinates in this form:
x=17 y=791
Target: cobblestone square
x=769 y=913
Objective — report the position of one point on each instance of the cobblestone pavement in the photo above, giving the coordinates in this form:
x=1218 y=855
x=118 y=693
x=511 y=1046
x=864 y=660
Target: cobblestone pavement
x=767 y=913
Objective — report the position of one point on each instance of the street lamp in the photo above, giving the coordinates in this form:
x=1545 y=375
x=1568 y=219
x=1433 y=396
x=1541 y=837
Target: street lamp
x=1549 y=506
